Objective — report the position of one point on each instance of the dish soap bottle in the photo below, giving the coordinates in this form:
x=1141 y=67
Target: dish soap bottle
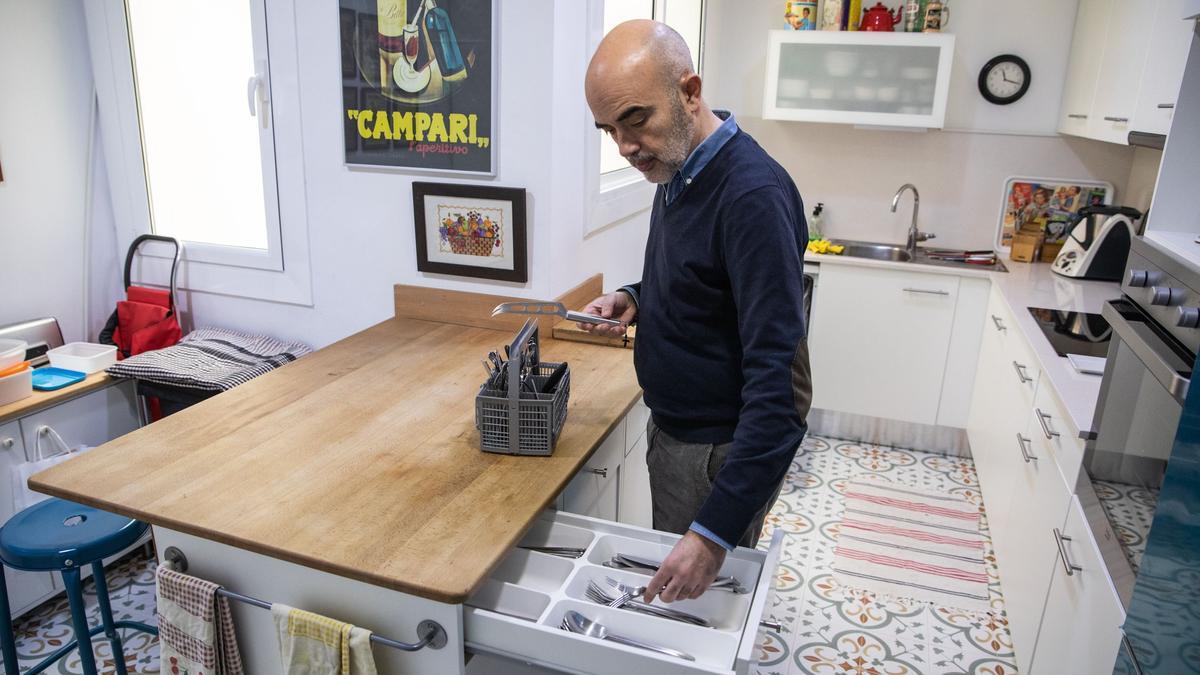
x=815 y=222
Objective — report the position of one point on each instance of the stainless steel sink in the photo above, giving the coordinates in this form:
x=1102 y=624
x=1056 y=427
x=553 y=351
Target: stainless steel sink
x=876 y=252
x=894 y=253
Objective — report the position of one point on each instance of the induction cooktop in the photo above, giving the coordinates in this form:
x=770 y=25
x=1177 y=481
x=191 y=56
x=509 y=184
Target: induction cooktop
x=1074 y=332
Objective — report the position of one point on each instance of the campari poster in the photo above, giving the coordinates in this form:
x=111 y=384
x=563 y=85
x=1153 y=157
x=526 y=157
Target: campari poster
x=418 y=84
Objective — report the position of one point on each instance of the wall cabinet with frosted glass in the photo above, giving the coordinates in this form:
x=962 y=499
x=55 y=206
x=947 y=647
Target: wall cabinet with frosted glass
x=868 y=78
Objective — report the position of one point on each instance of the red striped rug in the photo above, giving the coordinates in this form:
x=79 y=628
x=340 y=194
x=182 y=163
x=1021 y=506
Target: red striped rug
x=911 y=542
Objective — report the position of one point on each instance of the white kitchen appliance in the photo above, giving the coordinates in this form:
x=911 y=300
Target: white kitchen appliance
x=1097 y=245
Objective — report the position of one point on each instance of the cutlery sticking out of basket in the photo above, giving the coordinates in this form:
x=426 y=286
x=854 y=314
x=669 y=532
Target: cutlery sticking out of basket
x=521 y=407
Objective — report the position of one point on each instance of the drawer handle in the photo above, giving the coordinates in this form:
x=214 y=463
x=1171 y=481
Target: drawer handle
x=1021 y=373
x=771 y=625
x=602 y=472
x=1166 y=106
x=1070 y=567
x=1021 y=443
x=1116 y=119
x=7 y=443
x=1077 y=116
x=926 y=291
x=1044 y=420
x=999 y=324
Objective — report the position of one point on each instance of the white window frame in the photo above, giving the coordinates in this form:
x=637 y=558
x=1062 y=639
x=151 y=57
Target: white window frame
x=282 y=273
x=615 y=196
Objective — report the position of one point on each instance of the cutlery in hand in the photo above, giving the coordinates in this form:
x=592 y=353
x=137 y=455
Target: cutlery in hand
x=551 y=308
x=720 y=583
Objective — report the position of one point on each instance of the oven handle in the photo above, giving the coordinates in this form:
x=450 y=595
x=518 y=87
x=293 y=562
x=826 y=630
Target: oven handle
x=1149 y=354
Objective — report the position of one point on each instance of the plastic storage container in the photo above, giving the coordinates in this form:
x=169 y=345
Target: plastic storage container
x=16 y=386
x=85 y=357
x=11 y=351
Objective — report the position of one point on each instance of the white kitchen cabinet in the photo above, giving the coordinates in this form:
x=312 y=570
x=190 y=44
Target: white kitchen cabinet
x=1081 y=629
x=24 y=588
x=1055 y=436
x=1125 y=67
x=636 y=507
x=848 y=77
x=1039 y=505
x=596 y=489
x=1083 y=69
x=859 y=309
x=1162 y=72
x=1125 y=45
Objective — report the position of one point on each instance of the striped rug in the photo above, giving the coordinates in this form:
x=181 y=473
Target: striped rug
x=912 y=543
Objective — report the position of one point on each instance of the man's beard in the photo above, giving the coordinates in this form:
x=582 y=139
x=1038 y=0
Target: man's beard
x=675 y=150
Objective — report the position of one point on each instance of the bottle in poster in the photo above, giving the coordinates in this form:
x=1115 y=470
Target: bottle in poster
x=802 y=14
x=445 y=44
x=854 y=13
x=831 y=14
x=393 y=15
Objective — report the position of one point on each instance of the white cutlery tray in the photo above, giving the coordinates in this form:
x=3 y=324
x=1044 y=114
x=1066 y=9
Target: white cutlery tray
x=519 y=609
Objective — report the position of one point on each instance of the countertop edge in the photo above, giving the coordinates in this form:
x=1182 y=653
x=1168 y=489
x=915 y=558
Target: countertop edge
x=40 y=400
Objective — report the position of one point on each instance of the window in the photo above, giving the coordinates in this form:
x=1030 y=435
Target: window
x=617 y=190
x=204 y=122
x=187 y=92
x=685 y=16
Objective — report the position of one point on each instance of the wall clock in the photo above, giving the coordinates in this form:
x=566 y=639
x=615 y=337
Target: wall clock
x=1004 y=79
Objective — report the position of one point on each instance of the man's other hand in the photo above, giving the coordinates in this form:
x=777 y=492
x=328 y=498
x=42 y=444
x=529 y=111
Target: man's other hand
x=688 y=570
x=617 y=305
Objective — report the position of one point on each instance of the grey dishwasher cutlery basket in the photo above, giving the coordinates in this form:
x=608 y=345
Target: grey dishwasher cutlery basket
x=521 y=407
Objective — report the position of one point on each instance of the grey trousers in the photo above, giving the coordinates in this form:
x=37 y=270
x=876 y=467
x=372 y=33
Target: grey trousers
x=681 y=478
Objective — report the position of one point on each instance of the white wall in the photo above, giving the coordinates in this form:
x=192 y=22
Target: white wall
x=960 y=176
x=361 y=223
x=45 y=101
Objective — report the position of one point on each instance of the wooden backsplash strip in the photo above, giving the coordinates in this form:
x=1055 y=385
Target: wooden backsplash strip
x=475 y=309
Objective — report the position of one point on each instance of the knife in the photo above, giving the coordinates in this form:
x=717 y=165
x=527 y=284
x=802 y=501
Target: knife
x=551 y=308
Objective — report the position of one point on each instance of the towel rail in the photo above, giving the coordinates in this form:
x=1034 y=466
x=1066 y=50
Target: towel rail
x=431 y=632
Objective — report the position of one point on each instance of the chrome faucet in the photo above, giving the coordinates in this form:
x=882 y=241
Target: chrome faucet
x=914 y=235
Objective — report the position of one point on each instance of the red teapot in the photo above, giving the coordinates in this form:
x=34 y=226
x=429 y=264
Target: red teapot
x=879 y=18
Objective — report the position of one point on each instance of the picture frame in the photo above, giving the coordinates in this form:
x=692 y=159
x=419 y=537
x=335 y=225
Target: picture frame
x=1018 y=189
x=476 y=231
x=420 y=85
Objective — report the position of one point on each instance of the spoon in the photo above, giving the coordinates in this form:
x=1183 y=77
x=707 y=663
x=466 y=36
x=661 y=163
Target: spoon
x=575 y=622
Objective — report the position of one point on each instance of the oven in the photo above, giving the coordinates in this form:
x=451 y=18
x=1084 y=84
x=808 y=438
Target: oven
x=1147 y=372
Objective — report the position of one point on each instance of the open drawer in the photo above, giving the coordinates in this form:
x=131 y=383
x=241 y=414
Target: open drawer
x=518 y=611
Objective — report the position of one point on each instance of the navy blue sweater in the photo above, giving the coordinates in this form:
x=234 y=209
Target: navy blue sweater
x=721 y=350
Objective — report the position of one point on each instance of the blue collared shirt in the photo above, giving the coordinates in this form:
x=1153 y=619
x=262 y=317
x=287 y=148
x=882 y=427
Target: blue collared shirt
x=702 y=155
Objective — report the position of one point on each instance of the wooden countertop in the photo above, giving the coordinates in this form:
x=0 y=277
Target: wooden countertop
x=361 y=459
x=44 y=399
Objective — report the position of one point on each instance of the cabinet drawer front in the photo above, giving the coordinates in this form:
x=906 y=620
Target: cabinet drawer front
x=1081 y=628
x=519 y=616
x=27 y=589
x=1055 y=436
x=12 y=445
x=93 y=419
x=635 y=424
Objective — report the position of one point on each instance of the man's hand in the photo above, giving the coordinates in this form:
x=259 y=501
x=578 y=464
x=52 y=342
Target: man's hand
x=617 y=305
x=688 y=570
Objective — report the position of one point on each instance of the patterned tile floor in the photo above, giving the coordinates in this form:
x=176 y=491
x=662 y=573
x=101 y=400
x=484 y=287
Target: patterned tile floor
x=827 y=630
x=1130 y=509
x=830 y=630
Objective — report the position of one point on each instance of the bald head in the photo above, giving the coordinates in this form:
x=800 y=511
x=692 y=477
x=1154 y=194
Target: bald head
x=641 y=48
x=643 y=91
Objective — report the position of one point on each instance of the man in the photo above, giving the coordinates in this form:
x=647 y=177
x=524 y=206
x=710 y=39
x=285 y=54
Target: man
x=721 y=350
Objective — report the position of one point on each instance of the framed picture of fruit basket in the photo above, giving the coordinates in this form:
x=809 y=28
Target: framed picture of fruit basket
x=471 y=230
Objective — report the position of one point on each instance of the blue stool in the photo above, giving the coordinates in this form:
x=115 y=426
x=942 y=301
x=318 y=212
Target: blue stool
x=59 y=535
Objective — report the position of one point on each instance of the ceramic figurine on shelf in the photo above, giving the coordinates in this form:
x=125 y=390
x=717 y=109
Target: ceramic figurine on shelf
x=936 y=16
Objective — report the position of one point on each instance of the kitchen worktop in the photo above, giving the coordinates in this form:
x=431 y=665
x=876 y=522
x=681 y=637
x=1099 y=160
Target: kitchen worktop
x=360 y=459
x=1027 y=285
x=41 y=400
